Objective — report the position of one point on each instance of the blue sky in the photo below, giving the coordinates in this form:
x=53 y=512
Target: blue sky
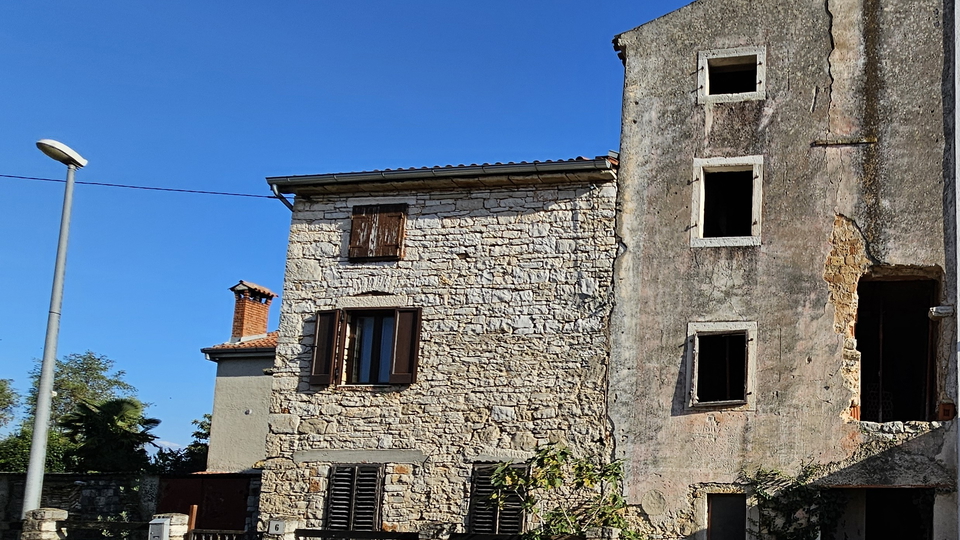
x=218 y=95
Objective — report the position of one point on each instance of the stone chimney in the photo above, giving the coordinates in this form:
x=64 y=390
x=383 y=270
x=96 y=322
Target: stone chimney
x=251 y=311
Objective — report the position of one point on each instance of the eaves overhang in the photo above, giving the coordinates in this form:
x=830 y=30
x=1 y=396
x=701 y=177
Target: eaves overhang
x=215 y=354
x=597 y=170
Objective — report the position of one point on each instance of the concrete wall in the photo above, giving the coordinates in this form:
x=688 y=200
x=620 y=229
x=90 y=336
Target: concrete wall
x=241 y=405
x=514 y=285
x=855 y=182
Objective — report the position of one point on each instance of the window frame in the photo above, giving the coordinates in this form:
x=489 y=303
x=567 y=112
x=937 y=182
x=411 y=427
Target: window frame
x=696 y=329
x=703 y=74
x=377 y=496
x=363 y=242
x=330 y=358
x=485 y=471
x=703 y=166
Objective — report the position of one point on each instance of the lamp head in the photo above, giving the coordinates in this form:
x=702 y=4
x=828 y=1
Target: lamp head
x=61 y=152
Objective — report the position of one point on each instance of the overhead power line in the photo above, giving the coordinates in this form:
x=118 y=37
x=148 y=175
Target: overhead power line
x=148 y=188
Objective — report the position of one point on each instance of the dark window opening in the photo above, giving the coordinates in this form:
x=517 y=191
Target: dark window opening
x=726 y=516
x=895 y=337
x=727 y=203
x=353 y=498
x=366 y=346
x=493 y=516
x=376 y=232
x=895 y=514
x=734 y=75
x=721 y=367
x=884 y=514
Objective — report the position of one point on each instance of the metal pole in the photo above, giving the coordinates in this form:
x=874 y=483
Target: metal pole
x=41 y=422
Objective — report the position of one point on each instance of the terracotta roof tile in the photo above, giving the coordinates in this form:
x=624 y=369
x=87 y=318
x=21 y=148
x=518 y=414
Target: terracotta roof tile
x=270 y=340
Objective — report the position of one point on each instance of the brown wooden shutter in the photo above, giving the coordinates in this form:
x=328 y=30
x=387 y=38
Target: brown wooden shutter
x=406 y=351
x=488 y=516
x=482 y=518
x=353 y=498
x=326 y=357
x=376 y=232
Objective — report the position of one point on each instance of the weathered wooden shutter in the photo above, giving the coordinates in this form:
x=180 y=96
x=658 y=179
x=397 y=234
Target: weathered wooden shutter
x=406 y=347
x=353 y=498
x=376 y=232
x=488 y=516
x=326 y=353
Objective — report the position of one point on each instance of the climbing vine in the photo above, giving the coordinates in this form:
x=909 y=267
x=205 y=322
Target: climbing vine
x=792 y=507
x=565 y=495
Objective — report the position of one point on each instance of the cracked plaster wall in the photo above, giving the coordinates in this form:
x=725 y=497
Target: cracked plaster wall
x=840 y=72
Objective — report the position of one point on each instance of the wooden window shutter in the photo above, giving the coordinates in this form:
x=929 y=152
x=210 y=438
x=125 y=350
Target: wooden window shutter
x=406 y=347
x=376 y=232
x=488 y=516
x=353 y=498
x=326 y=353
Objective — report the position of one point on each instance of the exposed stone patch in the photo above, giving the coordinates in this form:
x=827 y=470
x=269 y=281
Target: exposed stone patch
x=845 y=265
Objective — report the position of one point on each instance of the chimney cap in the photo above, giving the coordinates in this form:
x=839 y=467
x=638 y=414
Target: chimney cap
x=253 y=287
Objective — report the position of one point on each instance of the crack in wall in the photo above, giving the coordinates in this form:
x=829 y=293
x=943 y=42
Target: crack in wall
x=833 y=47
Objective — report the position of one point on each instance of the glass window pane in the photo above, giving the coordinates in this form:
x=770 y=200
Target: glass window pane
x=363 y=358
x=386 y=349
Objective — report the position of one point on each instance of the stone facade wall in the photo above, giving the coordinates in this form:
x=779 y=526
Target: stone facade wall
x=515 y=286
x=86 y=497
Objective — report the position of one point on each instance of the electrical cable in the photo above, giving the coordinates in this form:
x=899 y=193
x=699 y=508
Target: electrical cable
x=148 y=188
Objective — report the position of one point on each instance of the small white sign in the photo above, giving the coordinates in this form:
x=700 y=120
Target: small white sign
x=275 y=526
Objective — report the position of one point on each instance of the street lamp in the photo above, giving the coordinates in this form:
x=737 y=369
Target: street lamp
x=38 y=448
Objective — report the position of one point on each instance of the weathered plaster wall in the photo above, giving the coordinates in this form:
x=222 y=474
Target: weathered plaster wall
x=238 y=432
x=514 y=284
x=852 y=133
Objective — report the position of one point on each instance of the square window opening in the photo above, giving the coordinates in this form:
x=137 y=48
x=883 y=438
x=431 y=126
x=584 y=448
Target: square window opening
x=897 y=344
x=726 y=516
x=728 y=203
x=370 y=347
x=732 y=75
x=721 y=367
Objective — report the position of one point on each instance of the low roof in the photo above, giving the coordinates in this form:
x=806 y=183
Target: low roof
x=265 y=346
x=581 y=169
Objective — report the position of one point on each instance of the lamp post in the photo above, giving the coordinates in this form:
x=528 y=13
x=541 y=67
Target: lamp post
x=38 y=448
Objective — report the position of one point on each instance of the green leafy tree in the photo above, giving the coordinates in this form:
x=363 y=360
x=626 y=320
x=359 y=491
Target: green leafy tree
x=78 y=379
x=15 y=452
x=563 y=494
x=9 y=399
x=111 y=436
x=193 y=458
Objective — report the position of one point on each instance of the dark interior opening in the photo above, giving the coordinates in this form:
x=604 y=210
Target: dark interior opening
x=895 y=514
x=895 y=337
x=722 y=367
x=726 y=516
x=727 y=203
x=732 y=75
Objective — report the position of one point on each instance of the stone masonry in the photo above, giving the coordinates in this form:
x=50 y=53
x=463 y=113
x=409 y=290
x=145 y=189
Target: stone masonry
x=515 y=287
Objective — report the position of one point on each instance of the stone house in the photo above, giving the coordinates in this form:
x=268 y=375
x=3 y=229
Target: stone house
x=785 y=296
x=764 y=284
x=435 y=321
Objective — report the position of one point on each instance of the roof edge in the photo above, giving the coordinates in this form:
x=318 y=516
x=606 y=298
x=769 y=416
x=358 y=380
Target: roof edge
x=288 y=184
